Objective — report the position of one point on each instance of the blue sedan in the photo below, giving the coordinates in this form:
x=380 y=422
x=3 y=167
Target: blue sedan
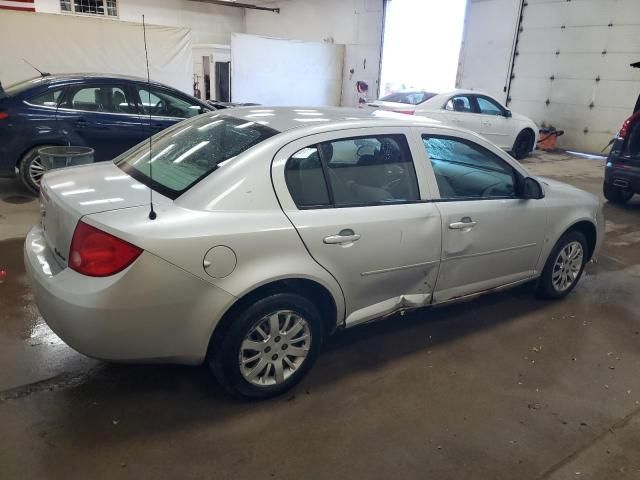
x=108 y=113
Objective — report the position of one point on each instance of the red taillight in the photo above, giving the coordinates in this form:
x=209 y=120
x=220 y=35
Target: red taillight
x=406 y=112
x=98 y=254
x=627 y=124
x=4 y=115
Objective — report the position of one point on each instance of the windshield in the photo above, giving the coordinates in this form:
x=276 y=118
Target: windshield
x=186 y=153
x=19 y=87
x=410 y=98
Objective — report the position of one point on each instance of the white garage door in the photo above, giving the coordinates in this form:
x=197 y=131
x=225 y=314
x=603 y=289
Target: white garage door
x=572 y=67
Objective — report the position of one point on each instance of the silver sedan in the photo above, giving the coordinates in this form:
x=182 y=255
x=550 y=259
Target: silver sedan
x=244 y=238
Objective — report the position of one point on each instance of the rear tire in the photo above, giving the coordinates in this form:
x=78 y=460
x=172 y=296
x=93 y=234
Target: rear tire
x=523 y=144
x=564 y=266
x=254 y=360
x=31 y=169
x=616 y=194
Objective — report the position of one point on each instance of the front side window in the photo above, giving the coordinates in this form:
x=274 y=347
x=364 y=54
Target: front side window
x=353 y=172
x=183 y=155
x=461 y=103
x=47 y=99
x=489 y=107
x=100 y=98
x=160 y=103
x=465 y=170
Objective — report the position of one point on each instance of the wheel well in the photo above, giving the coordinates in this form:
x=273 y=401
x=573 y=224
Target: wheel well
x=588 y=229
x=313 y=291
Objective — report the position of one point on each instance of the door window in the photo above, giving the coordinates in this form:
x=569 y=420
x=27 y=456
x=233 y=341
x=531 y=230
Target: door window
x=353 y=172
x=489 y=107
x=465 y=170
x=97 y=98
x=160 y=103
x=305 y=179
x=47 y=99
x=461 y=103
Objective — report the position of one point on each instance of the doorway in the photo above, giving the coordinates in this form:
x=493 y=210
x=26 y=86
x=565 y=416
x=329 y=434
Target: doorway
x=422 y=40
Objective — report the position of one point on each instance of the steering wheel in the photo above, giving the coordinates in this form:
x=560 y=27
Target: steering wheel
x=161 y=105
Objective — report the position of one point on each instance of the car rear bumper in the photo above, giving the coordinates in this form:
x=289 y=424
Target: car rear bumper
x=151 y=311
x=622 y=175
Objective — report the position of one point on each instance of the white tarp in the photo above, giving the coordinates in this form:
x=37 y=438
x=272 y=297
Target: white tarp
x=78 y=44
x=272 y=71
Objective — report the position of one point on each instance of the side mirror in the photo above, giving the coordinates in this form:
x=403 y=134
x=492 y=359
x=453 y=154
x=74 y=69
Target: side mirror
x=508 y=114
x=532 y=190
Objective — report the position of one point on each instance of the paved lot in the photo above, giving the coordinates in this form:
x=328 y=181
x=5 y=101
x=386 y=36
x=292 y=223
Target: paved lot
x=507 y=387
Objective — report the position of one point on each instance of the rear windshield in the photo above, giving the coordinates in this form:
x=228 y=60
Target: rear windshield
x=410 y=98
x=183 y=155
x=19 y=87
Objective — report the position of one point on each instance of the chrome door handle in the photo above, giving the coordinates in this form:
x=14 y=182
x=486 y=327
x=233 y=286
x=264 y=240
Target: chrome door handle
x=345 y=236
x=463 y=225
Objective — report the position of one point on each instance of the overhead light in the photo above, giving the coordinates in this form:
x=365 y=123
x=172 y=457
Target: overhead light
x=234 y=3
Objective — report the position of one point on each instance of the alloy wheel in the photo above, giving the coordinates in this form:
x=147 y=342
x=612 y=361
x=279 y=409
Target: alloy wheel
x=36 y=170
x=567 y=266
x=275 y=348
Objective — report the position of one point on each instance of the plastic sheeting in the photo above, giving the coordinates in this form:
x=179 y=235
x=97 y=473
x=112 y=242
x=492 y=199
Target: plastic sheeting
x=74 y=44
x=272 y=71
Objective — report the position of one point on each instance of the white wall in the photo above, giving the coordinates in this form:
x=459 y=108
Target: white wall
x=566 y=41
x=208 y=23
x=276 y=72
x=354 y=23
x=169 y=52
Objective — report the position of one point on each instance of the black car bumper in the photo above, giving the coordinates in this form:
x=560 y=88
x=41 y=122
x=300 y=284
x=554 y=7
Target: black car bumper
x=623 y=176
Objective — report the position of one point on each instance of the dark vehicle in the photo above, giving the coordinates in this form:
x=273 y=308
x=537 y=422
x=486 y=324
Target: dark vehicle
x=622 y=170
x=108 y=113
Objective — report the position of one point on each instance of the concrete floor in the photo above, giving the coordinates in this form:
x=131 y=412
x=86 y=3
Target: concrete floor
x=506 y=387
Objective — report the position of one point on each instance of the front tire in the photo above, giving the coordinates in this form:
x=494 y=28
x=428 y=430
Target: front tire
x=31 y=169
x=564 y=266
x=523 y=144
x=269 y=347
x=616 y=194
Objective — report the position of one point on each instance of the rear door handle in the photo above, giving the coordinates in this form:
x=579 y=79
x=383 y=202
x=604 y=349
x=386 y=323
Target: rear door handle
x=345 y=236
x=81 y=123
x=464 y=224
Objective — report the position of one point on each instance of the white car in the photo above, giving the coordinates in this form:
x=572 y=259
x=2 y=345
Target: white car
x=406 y=101
x=474 y=111
x=274 y=227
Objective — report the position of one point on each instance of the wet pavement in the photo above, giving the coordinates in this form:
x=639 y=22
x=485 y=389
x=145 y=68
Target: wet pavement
x=504 y=387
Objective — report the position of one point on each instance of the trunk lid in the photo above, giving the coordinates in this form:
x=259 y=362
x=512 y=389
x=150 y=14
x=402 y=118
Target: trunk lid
x=67 y=195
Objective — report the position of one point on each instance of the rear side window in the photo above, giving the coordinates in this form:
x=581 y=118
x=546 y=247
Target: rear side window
x=104 y=99
x=50 y=98
x=459 y=104
x=352 y=172
x=466 y=171
x=183 y=155
x=305 y=179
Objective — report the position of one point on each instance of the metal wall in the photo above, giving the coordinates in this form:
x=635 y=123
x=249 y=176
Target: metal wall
x=571 y=63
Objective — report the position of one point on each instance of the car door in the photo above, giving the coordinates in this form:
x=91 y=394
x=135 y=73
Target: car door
x=490 y=236
x=495 y=124
x=460 y=111
x=354 y=197
x=101 y=116
x=162 y=107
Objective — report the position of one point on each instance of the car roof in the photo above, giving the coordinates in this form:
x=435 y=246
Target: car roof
x=57 y=78
x=289 y=118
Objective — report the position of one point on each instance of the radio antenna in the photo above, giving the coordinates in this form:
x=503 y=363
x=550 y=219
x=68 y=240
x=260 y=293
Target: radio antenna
x=152 y=213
